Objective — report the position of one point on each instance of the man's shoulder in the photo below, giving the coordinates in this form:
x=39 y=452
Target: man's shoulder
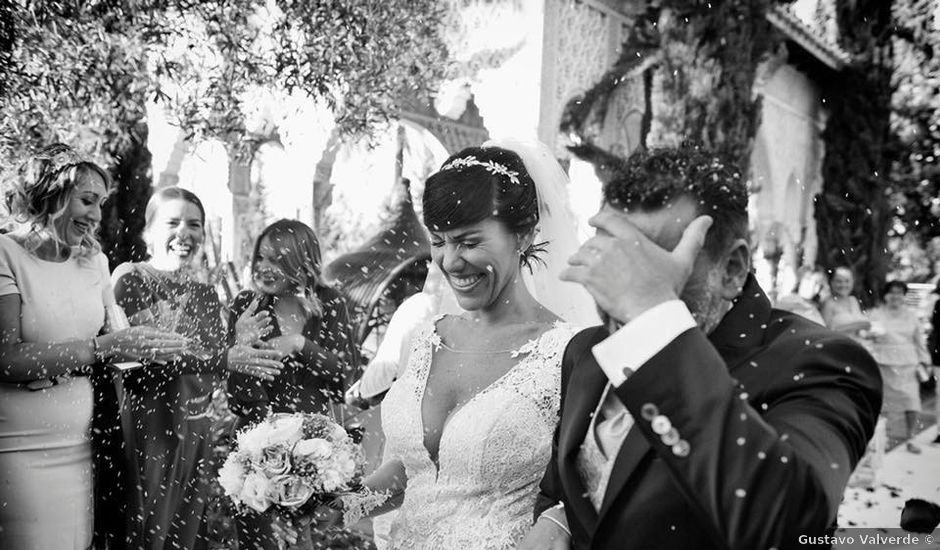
x=588 y=337
x=581 y=343
x=793 y=336
x=784 y=326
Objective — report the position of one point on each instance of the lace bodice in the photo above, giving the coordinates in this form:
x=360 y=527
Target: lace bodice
x=493 y=449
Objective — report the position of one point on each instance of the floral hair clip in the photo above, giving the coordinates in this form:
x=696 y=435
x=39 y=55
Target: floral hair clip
x=64 y=159
x=490 y=166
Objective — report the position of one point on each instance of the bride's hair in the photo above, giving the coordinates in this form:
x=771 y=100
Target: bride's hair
x=482 y=182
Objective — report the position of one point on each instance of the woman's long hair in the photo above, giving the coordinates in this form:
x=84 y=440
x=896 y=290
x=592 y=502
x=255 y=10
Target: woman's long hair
x=298 y=257
x=41 y=191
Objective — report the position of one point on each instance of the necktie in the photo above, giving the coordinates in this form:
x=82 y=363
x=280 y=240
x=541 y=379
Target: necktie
x=612 y=423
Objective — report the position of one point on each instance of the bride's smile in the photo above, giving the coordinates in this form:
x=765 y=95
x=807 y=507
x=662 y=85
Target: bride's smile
x=480 y=261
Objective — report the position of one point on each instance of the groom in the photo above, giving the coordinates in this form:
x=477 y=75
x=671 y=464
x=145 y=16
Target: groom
x=699 y=417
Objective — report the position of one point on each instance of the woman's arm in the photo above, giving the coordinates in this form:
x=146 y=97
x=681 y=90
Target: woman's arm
x=383 y=491
x=828 y=312
x=920 y=341
x=248 y=367
x=136 y=298
x=24 y=362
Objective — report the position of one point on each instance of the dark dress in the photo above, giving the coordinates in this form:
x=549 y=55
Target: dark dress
x=309 y=382
x=165 y=415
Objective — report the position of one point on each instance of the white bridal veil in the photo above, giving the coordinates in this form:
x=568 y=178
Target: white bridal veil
x=558 y=226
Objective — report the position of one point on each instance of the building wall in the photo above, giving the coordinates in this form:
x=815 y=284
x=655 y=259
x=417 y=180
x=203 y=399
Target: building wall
x=786 y=163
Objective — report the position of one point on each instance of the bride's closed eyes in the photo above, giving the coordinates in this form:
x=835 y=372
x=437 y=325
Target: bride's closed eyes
x=468 y=241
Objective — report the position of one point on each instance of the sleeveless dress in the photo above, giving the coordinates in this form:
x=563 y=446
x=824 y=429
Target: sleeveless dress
x=493 y=450
x=45 y=433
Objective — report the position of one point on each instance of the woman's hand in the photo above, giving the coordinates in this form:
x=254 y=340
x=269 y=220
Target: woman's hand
x=142 y=343
x=545 y=535
x=252 y=325
x=286 y=345
x=549 y=532
x=261 y=363
x=294 y=532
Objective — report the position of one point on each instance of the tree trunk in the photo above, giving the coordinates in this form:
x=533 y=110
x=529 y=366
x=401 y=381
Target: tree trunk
x=123 y=220
x=322 y=187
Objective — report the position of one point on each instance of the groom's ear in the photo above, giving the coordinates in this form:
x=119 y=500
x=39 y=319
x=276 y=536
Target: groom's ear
x=736 y=264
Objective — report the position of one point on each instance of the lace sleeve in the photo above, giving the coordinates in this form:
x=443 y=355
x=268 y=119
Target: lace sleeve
x=360 y=504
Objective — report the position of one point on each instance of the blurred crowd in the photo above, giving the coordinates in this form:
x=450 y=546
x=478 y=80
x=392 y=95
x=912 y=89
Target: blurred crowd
x=900 y=331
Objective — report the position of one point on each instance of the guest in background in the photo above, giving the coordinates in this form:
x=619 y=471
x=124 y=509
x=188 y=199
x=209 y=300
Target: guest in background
x=898 y=346
x=802 y=300
x=165 y=409
x=841 y=310
x=290 y=312
x=54 y=291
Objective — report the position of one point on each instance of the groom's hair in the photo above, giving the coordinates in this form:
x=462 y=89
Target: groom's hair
x=652 y=179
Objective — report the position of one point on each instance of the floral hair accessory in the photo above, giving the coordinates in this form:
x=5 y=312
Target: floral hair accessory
x=65 y=159
x=490 y=166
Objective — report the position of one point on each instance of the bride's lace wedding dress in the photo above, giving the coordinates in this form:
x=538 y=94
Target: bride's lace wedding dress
x=493 y=449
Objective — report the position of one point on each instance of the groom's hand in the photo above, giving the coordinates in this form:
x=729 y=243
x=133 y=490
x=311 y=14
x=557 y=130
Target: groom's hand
x=626 y=272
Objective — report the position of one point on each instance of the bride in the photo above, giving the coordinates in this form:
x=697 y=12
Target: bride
x=469 y=423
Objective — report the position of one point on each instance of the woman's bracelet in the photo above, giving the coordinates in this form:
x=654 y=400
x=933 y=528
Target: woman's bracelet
x=560 y=524
x=559 y=506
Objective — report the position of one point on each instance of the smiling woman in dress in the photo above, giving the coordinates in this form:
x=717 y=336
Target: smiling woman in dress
x=293 y=314
x=165 y=414
x=54 y=288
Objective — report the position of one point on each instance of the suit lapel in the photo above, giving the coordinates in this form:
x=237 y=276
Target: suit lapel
x=584 y=391
x=631 y=453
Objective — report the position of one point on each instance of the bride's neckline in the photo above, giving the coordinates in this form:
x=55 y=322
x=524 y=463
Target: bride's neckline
x=519 y=349
x=526 y=348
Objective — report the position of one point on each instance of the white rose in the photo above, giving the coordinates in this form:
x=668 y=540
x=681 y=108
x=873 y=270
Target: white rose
x=232 y=475
x=286 y=429
x=256 y=492
x=291 y=491
x=313 y=449
x=274 y=460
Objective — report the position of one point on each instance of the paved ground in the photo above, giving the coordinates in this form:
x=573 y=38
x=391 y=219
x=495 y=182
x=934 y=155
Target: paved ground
x=903 y=476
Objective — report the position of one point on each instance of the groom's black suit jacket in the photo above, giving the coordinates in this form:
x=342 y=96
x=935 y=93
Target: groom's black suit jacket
x=776 y=411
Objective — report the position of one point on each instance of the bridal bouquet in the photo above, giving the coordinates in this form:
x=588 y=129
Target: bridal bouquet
x=289 y=464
